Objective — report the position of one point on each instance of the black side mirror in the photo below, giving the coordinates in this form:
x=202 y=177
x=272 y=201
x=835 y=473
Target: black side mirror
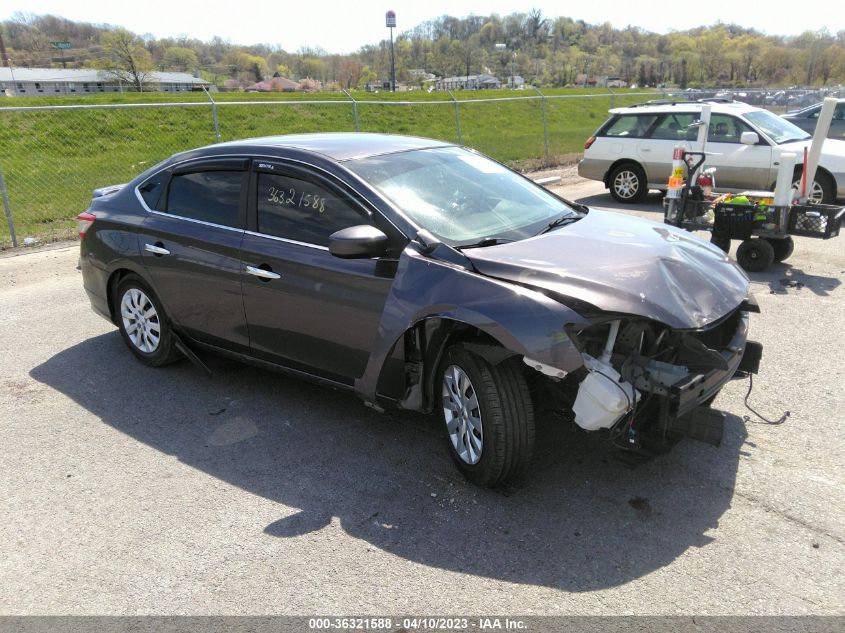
x=358 y=242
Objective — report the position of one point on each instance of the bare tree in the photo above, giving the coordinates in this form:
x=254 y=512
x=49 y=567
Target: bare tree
x=128 y=60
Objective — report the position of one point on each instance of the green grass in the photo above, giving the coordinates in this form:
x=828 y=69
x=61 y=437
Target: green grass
x=53 y=159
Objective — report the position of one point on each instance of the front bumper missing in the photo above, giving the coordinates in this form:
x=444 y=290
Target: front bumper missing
x=695 y=389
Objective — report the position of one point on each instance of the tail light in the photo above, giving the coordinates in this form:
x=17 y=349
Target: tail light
x=589 y=142
x=85 y=221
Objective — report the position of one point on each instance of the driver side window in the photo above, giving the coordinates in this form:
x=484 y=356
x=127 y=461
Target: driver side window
x=302 y=210
x=725 y=129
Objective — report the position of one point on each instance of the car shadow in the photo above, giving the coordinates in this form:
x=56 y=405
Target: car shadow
x=583 y=520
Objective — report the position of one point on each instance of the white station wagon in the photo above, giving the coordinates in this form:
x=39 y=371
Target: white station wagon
x=632 y=151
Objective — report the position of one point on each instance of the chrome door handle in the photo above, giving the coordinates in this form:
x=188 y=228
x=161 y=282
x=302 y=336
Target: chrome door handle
x=156 y=250
x=264 y=274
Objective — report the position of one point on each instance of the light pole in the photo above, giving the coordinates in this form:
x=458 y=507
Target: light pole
x=390 y=20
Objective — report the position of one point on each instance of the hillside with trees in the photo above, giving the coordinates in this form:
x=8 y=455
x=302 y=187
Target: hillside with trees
x=547 y=51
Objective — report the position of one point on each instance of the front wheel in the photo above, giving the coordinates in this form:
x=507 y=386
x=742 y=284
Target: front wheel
x=488 y=415
x=822 y=191
x=755 y=255
x=627 y=183
x=142 y=323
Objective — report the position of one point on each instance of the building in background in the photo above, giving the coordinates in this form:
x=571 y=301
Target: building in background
x=38 y=82
x=468 y=82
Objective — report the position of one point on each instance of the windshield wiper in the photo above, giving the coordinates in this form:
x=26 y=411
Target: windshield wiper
x=583 y=208
x=487 y=241
x=561 y=221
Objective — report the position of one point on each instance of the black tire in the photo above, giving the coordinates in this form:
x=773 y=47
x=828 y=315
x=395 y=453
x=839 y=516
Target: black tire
x=627 y=183
x=782 y=248
x=141 y=300
x=505 y=416
x=721 y=240
x=823 y=184
x=755 y=255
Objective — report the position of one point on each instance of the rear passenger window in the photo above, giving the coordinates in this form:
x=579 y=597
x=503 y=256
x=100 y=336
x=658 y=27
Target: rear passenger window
x=675 y=127
x=631 y=125
x=210 y=196
x=301 y=210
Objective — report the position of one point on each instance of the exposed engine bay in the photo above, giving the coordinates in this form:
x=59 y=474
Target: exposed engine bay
x=643 y=377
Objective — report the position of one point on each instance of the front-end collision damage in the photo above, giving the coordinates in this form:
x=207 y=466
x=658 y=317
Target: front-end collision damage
x=643 y=376
x=432 y=298
x=631 y=373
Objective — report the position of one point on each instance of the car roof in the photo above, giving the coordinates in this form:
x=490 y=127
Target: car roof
x=811 y=107
x=735 y=107
x=338 y=146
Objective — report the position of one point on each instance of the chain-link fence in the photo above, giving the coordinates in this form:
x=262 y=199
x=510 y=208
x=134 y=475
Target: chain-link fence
x=54 y=156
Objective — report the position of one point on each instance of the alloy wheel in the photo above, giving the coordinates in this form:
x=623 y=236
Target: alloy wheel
x=140 y=320
x=462 y=414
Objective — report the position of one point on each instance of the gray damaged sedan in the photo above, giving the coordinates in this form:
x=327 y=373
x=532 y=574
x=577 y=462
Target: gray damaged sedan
x=422 y=275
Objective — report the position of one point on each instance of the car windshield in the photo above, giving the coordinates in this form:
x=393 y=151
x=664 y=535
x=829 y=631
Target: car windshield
x=777 y=128
x=462 y=197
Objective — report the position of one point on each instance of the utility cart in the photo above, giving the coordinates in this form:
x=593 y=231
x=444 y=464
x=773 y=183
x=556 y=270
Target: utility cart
x=765 y=230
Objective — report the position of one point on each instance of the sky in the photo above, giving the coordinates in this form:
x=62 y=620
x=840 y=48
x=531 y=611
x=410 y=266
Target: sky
x=343 y=27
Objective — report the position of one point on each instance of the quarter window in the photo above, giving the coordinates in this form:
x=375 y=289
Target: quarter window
x=301 y=210
x=210 y=196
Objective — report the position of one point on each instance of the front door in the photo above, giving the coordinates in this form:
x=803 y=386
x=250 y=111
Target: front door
x=306 y=308
x=738 y=166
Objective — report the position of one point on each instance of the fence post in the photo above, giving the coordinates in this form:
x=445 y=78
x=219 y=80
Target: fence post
x=545 y=128
x=8 y=209
x=354 y=109
x=213 y=114
x=457 y=117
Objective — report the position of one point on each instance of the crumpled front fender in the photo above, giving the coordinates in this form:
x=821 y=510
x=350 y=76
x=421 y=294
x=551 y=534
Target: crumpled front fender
x=522 y=320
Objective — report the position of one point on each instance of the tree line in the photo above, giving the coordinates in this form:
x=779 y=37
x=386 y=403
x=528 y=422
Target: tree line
x=545 y=51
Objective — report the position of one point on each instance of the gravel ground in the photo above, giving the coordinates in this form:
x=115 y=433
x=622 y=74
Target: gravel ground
x=129 y=490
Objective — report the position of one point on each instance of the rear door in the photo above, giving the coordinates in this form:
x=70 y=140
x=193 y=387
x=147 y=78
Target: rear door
x=190 y=244
x=656 y=150
x=306 y=308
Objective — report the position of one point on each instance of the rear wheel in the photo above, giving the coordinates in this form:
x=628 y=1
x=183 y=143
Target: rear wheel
x=755 y=255
x=782 y=248
x=627 y=183
x=721 y=240
x=142 y=323
x=488 y=415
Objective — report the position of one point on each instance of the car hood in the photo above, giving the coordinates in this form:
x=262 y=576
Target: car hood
x=624 y=265
x=832 y=156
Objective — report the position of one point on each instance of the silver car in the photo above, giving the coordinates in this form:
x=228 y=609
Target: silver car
x=632 y=151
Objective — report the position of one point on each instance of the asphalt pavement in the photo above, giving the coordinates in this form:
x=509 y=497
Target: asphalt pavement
x=130 y=490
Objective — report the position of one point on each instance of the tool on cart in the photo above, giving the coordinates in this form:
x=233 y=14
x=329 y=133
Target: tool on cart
x=764 y=221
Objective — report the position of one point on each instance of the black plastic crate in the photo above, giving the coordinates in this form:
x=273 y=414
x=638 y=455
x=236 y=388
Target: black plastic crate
x=815 y=220
x=734 y=220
